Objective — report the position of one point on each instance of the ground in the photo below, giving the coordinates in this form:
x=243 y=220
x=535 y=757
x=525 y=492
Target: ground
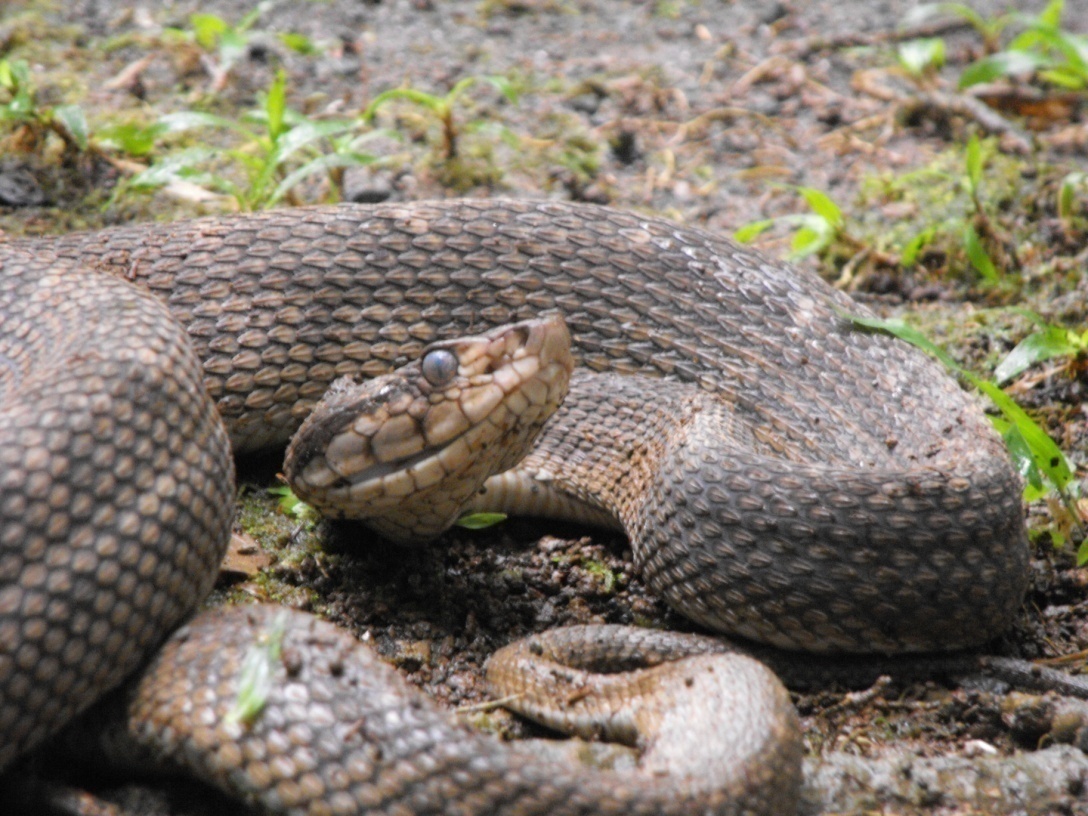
x=711 y=113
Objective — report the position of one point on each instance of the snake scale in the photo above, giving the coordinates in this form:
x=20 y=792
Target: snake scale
x=858 y=503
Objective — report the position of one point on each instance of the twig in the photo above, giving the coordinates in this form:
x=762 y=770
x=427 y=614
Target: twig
x=969 y=107
x=489 y=705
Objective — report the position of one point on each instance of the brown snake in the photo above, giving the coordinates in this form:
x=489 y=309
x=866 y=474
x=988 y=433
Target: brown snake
x=857 y=502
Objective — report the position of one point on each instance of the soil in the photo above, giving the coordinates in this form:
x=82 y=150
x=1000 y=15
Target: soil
x=711 y=113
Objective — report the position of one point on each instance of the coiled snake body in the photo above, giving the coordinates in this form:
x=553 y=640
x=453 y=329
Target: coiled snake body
x=858 y=501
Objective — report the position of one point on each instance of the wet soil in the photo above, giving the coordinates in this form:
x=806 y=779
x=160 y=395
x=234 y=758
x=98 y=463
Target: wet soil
x=710 y=113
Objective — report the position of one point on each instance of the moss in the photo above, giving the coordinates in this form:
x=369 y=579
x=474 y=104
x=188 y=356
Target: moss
x=920 y=216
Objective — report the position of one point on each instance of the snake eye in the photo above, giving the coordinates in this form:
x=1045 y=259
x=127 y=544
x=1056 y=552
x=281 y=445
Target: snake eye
x=439 y=367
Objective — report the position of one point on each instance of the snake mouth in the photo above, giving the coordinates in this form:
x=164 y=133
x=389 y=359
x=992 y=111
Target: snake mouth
x=382 y=470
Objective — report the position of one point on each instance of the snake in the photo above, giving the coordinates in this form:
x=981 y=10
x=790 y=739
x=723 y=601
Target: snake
x=782 y=476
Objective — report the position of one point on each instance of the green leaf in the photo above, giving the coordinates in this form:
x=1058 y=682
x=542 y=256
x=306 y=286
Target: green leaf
x=927 y=11
x=921 y=55
x=191 y=120
x=814 y=234
x=20 y=72
x=806 y=241
x=15 y=78
x=252 y=16
x=292 y=506
x=749 y=231
x=505 y=87
x=299 y=43
x=257 y=673
x=74 y=122
x=822 y=205
x=480 y=521
x=459 y=88
x=1052 y=14
x=999 y=65
x=1064 y=77
x=978 y=256
x=1053 y=341
x=12 y=74
x=275 y=104
x=904 y=331
x=973 y=160
x=1022 y=459
x=131 y=138
x=1047 y=455
x=1067 y=193
x=177 y=166
x=305 y=134
x=232 y=47
x=207 y=30
x=427 y=100
x=1052 y=46
x=909 y=255
x=321 y=163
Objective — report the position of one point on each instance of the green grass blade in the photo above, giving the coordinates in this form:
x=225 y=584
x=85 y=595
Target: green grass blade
x=317 y=165
x=1000 y=65
x=192 y=120
x=1053 y=341
x=822 y=205
x=979 y=257
x=257 y=673
x=426 y=100
x=480 y=521
x=74 y=123
x=1046 y=455
x=973 y=156
x=276 y=104
x=749 y=231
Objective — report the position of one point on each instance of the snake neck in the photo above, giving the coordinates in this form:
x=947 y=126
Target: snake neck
x=597 y=456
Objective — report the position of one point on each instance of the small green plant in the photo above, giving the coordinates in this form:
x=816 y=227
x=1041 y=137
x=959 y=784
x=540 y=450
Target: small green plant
x=988 y=28
x=972 y=243
x=1047 y=342
x=257 y=672
x=278 y=149
x=294 y=507
x=922 y=58
x=813 y=232
x=32 y=123
x=134 y=139
x=480 y=521
x=604 y=572
x=1067 y=196
x=227 y=43
x=1041 y=463
x=962 y=215
x=441 y=111
x=1042 y=49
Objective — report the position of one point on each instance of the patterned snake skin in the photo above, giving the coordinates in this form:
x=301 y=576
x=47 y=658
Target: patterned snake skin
x=860 y=501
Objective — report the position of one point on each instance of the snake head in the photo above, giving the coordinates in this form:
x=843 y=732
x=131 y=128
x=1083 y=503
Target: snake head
x=403 y=452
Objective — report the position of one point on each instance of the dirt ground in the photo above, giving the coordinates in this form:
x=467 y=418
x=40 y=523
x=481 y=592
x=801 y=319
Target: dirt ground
x=711 y=113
